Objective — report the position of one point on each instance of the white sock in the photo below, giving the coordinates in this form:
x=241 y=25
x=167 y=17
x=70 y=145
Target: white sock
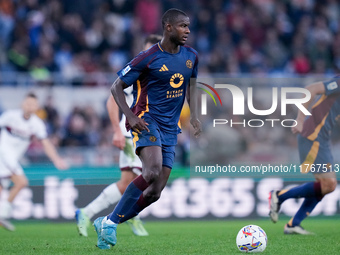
x=108 y=221
x=6 y=209
x=109 y=196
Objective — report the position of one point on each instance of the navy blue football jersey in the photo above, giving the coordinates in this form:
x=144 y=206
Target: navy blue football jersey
x=160 y=82
x=325 y=113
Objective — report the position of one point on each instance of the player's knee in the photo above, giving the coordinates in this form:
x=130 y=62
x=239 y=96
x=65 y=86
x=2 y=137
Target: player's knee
x=332 y=185
x=328 y=185
x=123 y=184
x=152 y=174
x=21 y=183
x=24 y=183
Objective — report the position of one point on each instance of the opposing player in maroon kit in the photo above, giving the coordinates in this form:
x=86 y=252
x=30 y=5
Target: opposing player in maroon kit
x=17 y=128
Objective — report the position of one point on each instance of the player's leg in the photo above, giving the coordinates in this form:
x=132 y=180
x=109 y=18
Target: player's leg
x=149 y=147
x=4 y=222
x=306 y=190
x=294 y=224
x=156 y=178
x=135 y=223
x=130 y=166
x=328 y=184
x=312 y=191
x=10 y=171
x=3 y=203
x=151 y=157
x=19 y=182
x=0 y=188
x=150 y=195
x=109 y=196
x=309 y=189
x=126 y=178
x=129 y=161
x=324 y=184
x=153 y=192
x=327 y=181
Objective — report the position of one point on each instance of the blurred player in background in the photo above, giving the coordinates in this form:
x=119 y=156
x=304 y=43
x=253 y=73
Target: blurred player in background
x=17 y=129
x=315 y=154
x=129 y=164
x=160 y=76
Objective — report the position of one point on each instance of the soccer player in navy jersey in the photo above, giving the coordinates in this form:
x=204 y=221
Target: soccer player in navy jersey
x=315 y=155
x=129 y=164
x=160 y=76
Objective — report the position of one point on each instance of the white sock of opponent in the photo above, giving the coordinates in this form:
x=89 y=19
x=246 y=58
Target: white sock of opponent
x=109 y=196
x=6 y=209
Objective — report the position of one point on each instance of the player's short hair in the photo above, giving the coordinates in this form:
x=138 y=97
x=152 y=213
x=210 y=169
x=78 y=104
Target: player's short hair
x=153 y=39
x=171 y=15
x=32 y=95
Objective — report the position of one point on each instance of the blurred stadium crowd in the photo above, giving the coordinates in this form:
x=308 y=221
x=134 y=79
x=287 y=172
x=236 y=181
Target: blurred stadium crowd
x=77 y=38
x=231 y=36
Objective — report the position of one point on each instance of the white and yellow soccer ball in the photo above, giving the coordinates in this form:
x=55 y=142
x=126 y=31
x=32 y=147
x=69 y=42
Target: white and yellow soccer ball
x=251 y=238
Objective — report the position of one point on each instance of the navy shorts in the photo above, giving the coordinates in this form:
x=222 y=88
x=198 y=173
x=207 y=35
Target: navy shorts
x=156 y=137
x=315 y=156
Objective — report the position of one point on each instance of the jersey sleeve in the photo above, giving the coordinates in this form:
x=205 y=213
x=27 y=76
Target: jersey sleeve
x=130 y=73
x=194 y=70
x=332 y=86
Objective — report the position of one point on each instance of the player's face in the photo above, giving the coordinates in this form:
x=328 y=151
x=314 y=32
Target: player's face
x=30 y=106
x=180 y=30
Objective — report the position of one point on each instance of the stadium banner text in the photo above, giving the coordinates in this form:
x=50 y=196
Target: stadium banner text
x=195 y=198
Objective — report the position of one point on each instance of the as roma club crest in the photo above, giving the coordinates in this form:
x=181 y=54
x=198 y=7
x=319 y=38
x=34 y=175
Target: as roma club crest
x=189 y=64
x=153 y=139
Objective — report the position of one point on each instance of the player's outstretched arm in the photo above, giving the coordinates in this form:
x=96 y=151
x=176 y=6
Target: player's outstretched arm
x=118 y=138
x=191 y=93
x=315 y=89
x=117 y=90
x=53 y=155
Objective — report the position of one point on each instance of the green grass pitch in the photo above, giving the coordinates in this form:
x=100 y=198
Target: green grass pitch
x=170 y=237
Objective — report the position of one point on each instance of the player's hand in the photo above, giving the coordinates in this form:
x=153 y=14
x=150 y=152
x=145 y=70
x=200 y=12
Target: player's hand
x=138 y=124
x=61 y=164
x=298 y=128
x=196 y=124
x=118 y=139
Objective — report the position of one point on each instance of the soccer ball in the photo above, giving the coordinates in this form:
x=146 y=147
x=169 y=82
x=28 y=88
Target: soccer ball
x=251 y=238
